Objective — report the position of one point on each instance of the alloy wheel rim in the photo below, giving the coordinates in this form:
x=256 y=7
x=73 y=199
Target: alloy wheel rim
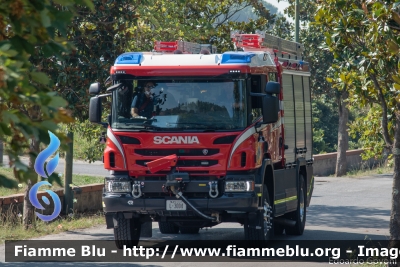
x=267 y=217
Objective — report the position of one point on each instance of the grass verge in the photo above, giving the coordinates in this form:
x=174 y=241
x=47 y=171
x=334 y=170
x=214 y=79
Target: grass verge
x=362 y=172
x=76 y=180
x=11 y=227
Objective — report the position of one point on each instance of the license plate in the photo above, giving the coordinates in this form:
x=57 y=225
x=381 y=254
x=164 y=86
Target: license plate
x=175 y=205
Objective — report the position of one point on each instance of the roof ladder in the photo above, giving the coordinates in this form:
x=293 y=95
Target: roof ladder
x=185 y=47
x=260 y=41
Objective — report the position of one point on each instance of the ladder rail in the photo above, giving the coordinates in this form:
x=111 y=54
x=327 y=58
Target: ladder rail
x=263 y=41
x=184 y=46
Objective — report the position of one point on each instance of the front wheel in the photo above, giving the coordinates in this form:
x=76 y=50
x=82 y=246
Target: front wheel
x=261 y=231
x=127 y=232
x=299 y=215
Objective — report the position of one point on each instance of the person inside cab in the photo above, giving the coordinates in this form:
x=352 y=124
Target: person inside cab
x=143 y=103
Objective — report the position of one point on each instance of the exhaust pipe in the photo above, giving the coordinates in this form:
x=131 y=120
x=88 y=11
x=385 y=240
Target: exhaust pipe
x=284 y=221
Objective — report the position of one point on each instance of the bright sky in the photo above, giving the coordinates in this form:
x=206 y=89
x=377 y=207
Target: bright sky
x=281 y=5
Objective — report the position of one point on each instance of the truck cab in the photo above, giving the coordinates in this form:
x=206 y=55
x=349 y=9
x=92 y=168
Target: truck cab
x=219 y=138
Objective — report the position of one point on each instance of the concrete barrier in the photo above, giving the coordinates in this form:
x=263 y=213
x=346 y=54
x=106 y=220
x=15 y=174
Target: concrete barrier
x=325 y=164
x=88 y=197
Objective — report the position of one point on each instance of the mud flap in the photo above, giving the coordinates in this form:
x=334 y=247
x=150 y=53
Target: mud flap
x=146 y=229
x=109 y=221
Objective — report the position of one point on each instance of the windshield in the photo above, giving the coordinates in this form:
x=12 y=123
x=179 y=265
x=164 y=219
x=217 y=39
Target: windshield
x=180 y=104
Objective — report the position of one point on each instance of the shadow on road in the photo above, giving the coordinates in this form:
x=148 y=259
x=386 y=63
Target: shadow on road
x=324 y=235
x=99 y=236
x=348 y=217
x=77 y=264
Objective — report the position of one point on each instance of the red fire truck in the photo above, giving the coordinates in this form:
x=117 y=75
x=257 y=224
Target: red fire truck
x=196 y=138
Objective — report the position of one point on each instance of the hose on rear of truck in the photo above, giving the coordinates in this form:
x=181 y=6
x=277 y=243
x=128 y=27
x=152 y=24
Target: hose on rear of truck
x=180 y=195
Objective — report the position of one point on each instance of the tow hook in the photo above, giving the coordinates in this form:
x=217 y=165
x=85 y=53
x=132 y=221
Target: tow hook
x=137 y=191
x=213 y=189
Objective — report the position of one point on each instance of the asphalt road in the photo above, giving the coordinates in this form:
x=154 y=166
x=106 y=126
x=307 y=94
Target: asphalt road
x=341 y=209
x=79 y=167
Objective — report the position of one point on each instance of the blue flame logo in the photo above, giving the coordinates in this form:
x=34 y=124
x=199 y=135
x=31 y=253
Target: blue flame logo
x=40 y=169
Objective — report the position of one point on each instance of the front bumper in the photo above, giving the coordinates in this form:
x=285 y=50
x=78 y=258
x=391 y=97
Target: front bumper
x=229 y=202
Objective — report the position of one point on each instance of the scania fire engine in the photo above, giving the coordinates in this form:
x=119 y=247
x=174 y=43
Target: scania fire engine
x=228 y=139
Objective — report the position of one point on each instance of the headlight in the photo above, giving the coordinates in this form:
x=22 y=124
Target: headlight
x=118 y=186
x=239 y=186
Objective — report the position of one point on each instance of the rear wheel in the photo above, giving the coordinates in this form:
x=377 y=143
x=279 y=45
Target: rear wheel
x=189 y=230
x=168 y=228
x=299 y=216
x=127 y=232
x=262 y=229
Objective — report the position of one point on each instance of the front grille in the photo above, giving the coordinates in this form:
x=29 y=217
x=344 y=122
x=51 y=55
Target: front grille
x=186 y=163
x=178 y=152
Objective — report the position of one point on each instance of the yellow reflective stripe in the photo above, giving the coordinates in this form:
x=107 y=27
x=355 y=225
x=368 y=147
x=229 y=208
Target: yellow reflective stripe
x=285 y=200
x=259 y=194
x=309 y=189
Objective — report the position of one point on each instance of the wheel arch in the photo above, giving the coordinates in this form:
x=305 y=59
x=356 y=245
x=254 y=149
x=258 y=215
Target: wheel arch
x=268 y=179
x=302 y=169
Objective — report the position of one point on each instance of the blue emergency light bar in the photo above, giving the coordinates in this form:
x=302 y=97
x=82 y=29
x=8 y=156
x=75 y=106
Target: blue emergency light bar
x=236 y=57
x=129 y=58
x=227 y=58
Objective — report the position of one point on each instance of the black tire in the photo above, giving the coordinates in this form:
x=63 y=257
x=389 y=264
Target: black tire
x=189 y=230
x=127 y=233
x=264 y=233
x=168 y=228
x=299 y=215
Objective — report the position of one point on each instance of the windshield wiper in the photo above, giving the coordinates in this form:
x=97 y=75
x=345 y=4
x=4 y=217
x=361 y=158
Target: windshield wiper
x=191 y=123
x=207 y=128
x=140 y=127
x=149 y=126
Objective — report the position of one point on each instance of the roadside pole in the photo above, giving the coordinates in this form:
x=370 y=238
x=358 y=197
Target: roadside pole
x=297 y=18
x=1 y=152
x=68 y=194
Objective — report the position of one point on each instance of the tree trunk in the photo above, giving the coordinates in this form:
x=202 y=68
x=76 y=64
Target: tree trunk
x=1 y=152
x=68 y=194
x=28 y=208
x=343 y=136
x=395 y=210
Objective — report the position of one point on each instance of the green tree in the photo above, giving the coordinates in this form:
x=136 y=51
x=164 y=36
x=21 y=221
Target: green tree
x=114 y=27
x=28 y=107
x=320 y=60
x=364 y=38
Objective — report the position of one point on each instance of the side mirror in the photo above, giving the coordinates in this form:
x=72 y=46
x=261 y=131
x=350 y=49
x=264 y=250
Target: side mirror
x=273 y=88
x=114 y=87
x=270 y=109
x=95 y=109
x=94 y=89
